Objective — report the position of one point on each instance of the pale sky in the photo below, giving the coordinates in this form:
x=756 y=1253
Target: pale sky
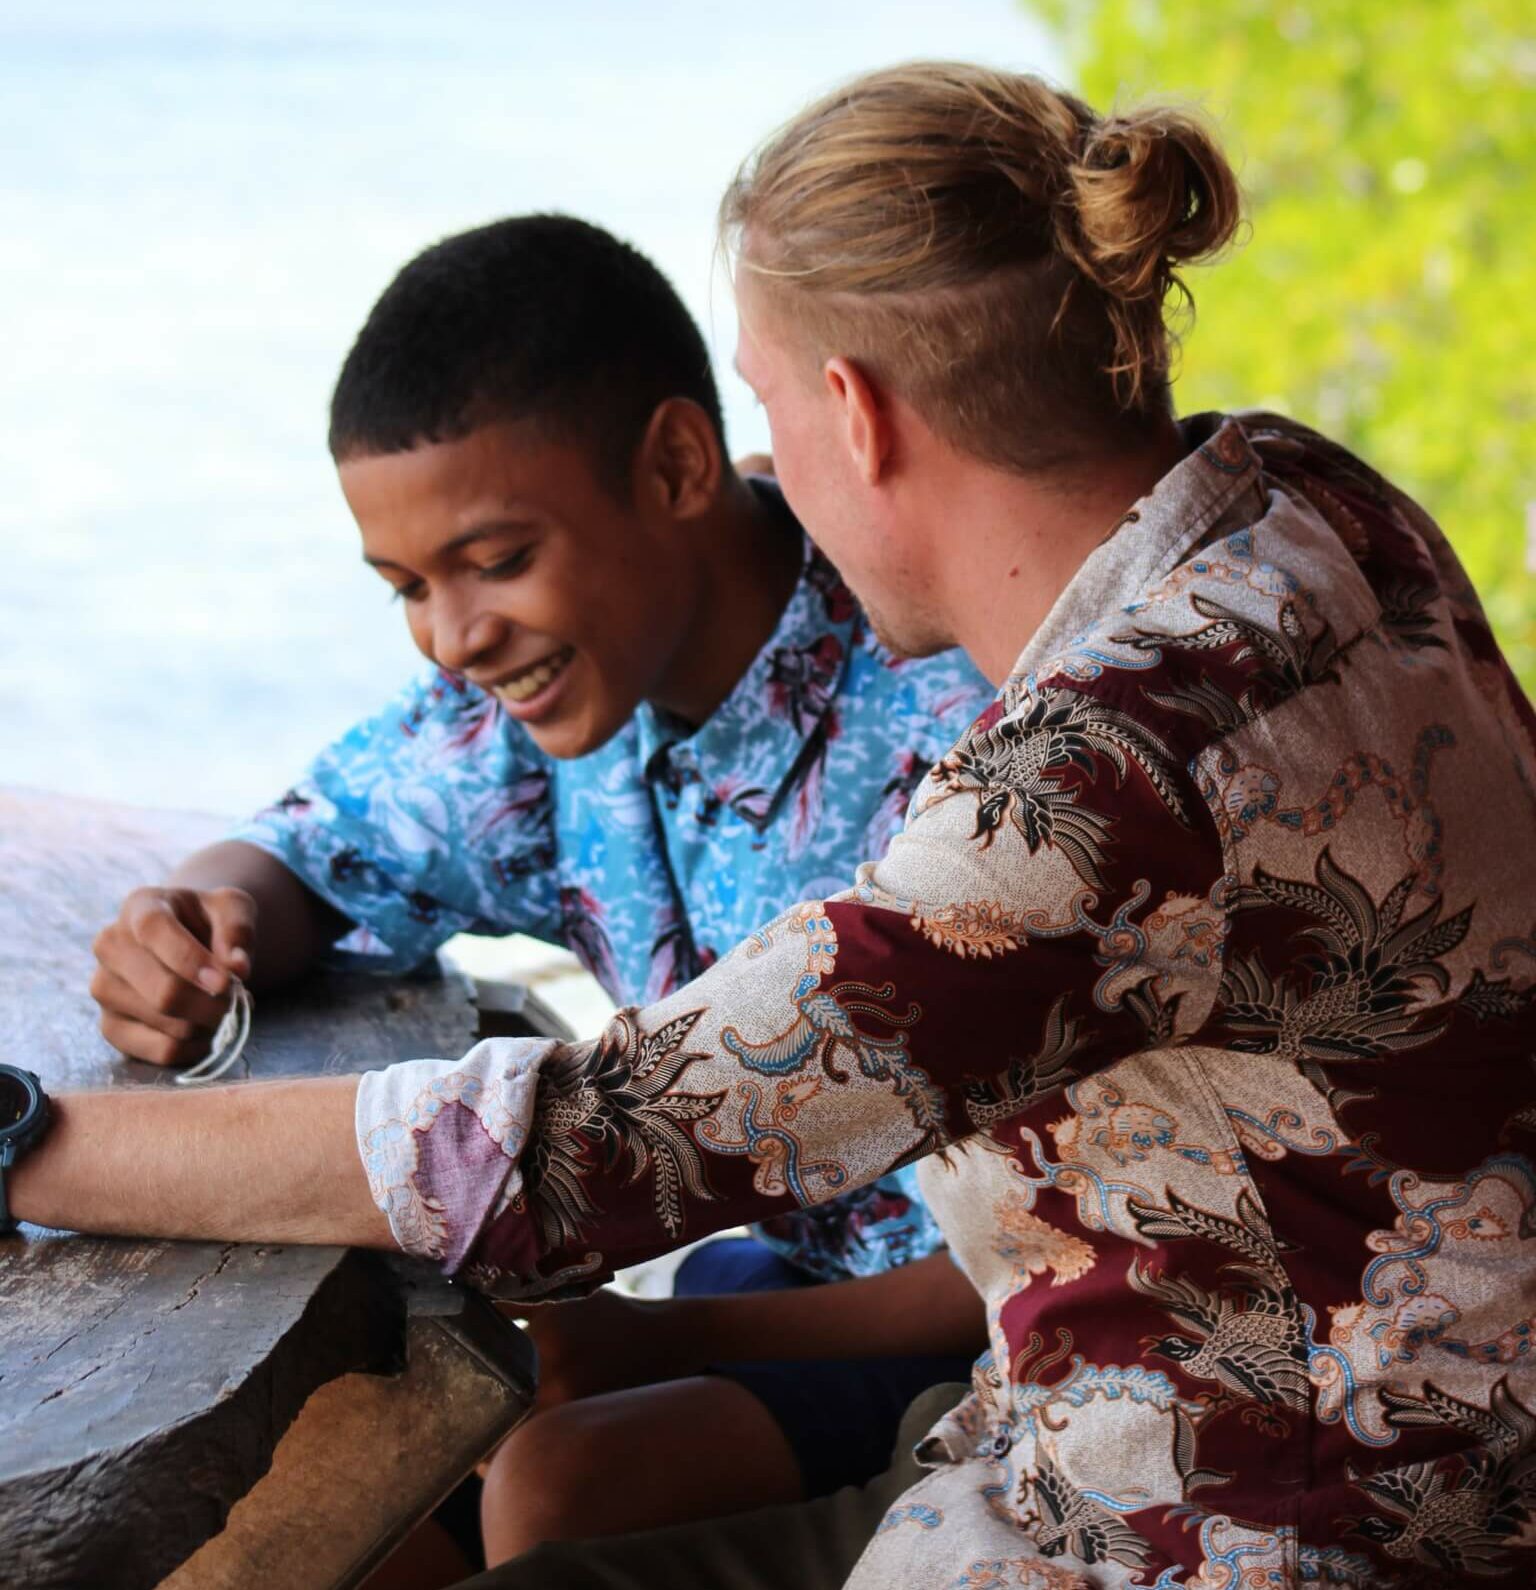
x=201 y=201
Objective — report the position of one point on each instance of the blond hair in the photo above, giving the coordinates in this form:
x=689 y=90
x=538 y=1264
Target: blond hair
x=999 y=255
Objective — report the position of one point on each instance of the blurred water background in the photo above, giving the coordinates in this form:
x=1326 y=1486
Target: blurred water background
x=200 y=203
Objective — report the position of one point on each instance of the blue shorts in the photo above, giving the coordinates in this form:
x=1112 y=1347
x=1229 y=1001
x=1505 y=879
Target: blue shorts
x=840 y=1415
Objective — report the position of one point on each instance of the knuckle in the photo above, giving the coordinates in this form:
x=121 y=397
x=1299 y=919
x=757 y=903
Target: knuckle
x=235 y=906
x=148 y=926
x=143 y=900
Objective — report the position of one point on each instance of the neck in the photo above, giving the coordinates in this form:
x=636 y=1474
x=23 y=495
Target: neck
x=747 y=559
x=1026 y=537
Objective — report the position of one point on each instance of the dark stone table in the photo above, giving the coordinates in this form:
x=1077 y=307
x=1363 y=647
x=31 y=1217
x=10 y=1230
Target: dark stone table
x=227 y=1415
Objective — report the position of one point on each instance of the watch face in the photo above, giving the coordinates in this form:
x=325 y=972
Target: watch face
x=15 y=1100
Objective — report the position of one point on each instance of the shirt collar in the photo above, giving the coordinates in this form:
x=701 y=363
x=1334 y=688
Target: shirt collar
x=749 y=748
x=1217 y=486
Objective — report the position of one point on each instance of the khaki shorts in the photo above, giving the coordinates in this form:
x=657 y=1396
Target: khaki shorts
x=798 y=1546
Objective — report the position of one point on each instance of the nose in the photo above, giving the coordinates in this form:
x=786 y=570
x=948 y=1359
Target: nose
x=461 y=634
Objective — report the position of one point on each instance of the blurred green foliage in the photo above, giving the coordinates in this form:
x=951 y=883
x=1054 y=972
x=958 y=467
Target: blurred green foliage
x=1387 y=291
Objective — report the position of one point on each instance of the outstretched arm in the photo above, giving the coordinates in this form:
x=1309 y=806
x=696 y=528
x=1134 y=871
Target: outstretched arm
x=251 y=1162
x=957 y=986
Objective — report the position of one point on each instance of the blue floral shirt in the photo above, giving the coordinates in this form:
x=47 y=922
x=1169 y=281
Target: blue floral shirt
x=653 y=854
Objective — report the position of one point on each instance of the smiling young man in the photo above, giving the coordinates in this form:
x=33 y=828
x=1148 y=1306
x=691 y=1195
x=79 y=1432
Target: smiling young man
x=656 y=717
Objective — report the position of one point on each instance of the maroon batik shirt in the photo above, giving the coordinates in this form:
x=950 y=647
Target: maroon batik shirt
x=1207 y=955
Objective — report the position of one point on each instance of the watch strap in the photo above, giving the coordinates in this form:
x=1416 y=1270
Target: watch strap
x=7 y=1159
x=13 y=1147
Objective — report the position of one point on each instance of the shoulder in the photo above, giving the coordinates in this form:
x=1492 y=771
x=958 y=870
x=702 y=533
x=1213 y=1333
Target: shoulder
x=441 y=717
x=1249 y=616
x=931 y=700
x=439 y=749
x=927 y=700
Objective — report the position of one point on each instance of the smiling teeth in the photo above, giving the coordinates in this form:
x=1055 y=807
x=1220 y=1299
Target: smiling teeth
x=531 y=683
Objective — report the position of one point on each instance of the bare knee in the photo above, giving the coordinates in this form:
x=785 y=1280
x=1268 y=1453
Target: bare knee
x=546 y=1481
x=611 y=1464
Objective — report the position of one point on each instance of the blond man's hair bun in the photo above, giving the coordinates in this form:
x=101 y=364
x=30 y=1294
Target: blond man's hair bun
x=1005 y=257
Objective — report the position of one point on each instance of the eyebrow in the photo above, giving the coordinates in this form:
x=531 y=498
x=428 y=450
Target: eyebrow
x=482 y=532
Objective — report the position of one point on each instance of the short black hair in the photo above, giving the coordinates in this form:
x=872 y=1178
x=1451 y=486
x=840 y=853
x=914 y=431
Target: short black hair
x=540 y=317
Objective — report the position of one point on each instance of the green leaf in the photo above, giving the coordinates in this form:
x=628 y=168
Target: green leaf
x=1385 y=294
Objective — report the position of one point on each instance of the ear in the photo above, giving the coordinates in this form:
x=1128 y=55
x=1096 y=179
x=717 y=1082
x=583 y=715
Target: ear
x=865 y=420
x=679 y=462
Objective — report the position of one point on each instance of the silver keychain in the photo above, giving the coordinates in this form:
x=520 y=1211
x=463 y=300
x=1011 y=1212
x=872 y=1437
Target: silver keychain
x=229 y=1040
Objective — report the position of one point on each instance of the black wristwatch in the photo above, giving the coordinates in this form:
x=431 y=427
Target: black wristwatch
x=23 y=1120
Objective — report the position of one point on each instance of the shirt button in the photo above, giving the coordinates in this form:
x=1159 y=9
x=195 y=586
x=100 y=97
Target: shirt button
x=1002 y=1444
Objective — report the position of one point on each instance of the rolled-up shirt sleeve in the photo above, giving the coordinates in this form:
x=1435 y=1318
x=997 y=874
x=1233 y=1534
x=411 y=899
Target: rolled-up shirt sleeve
x=1055 y=903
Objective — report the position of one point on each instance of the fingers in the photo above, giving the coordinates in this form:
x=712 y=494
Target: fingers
x=158 y=985
x=163 y=970
x=141 y=1042
x=173 y=925
x=120 y=998
x=231 y=916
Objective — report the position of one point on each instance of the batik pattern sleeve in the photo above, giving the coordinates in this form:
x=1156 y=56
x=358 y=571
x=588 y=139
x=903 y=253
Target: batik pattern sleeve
x=431 y=818
x=1053 y=905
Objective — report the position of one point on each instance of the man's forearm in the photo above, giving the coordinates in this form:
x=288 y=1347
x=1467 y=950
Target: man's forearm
x=925 y=1307
x=293 y=924
x=254 y=1162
